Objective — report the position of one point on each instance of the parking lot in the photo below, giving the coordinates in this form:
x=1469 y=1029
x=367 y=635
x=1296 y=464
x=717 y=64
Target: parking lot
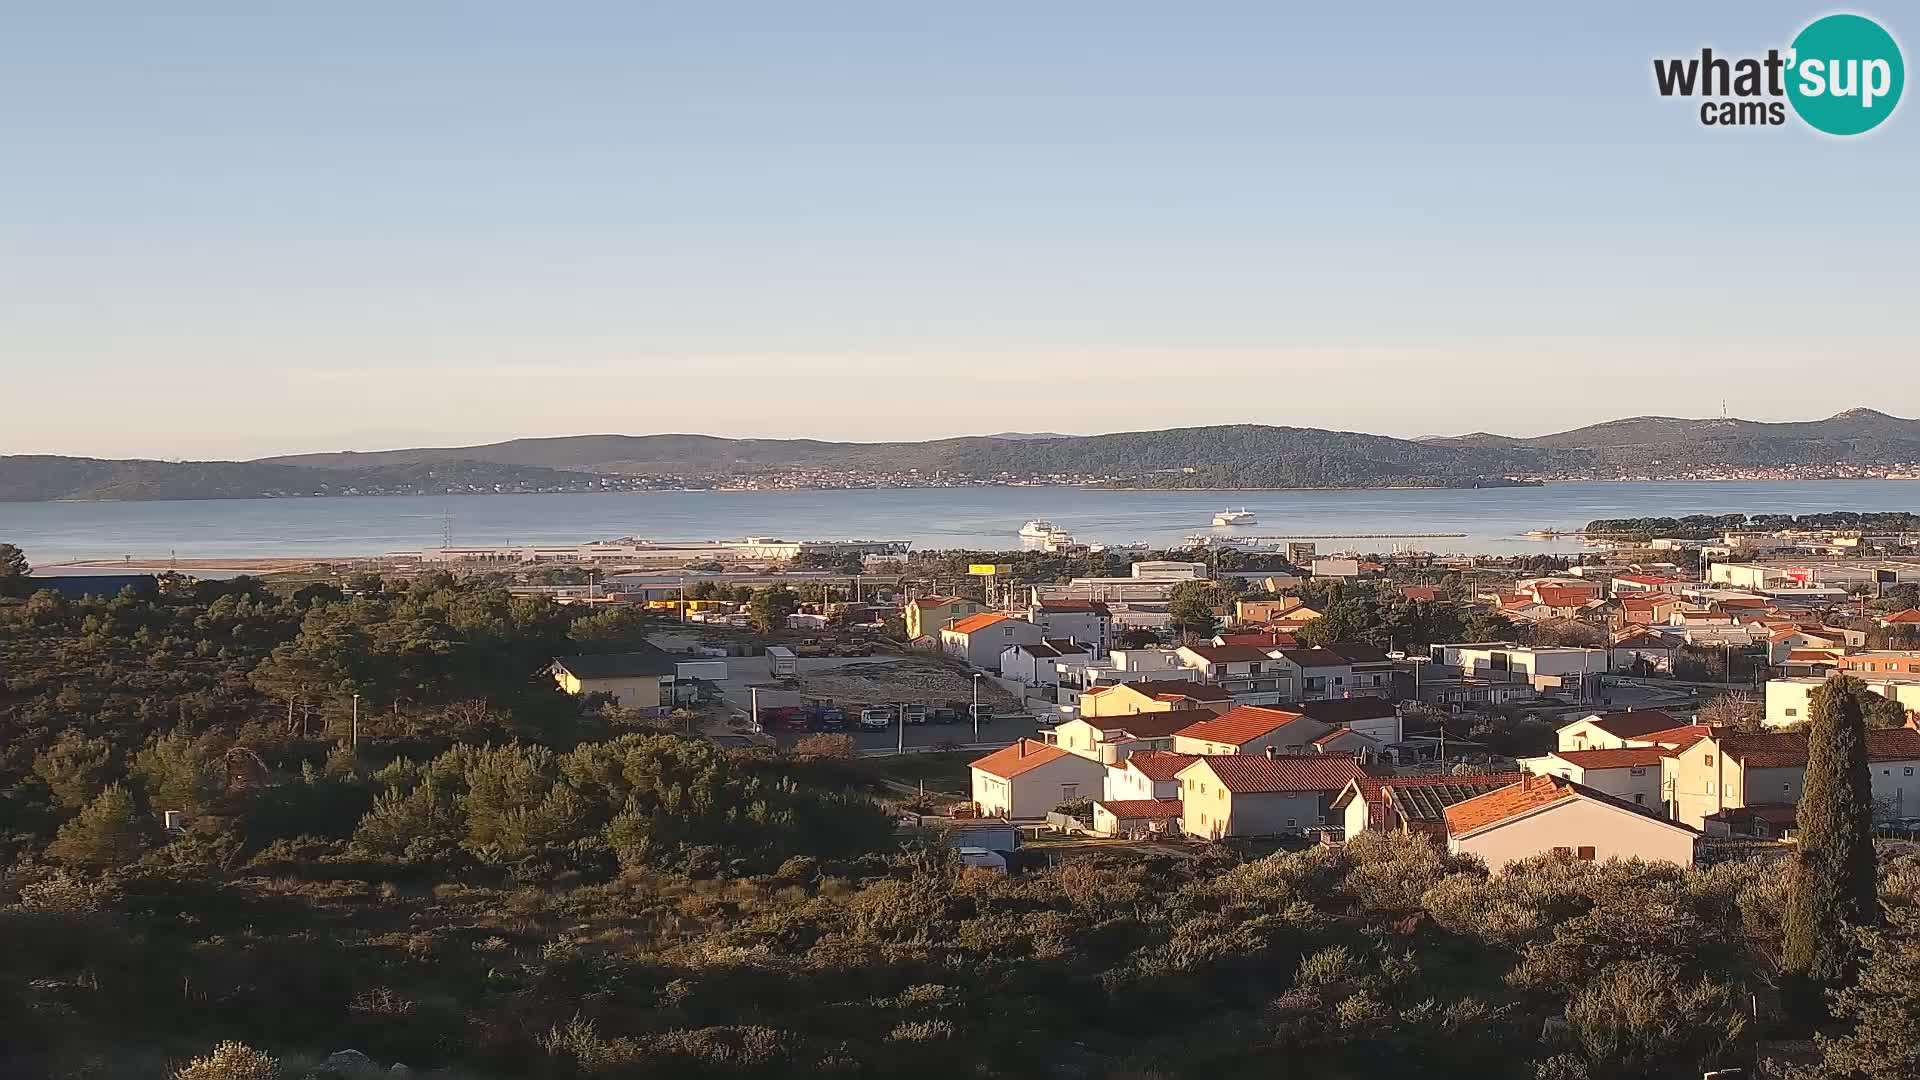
x=853 y=682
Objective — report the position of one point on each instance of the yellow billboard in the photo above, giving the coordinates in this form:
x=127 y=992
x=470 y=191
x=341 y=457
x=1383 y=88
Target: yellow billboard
x=987 y=569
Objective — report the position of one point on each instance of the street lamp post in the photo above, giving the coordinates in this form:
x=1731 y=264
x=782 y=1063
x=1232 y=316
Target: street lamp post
x=976 y=706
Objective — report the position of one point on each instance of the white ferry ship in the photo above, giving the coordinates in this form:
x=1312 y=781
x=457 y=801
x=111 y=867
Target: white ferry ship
x=1242 y=516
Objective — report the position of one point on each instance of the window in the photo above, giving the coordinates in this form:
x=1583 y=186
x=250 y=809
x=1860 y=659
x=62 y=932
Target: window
x=1223 y=794
x=1640 y=798
x=1637 y=770
x=1563 y=852
x=1709 y=787
x=1293 y=823
x=1709 y=759
x=1793 y=711
x=1586 y=854
x=1908 y=771
x=1069 y=791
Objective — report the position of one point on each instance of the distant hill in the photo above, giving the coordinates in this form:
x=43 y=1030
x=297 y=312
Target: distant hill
x=1236 y=455
x=1857 y=436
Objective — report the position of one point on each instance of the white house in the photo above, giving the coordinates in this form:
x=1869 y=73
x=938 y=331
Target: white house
x=1613 y=730
x=1028 y=779
x=1630 y=774
x=1149 y=774
x=1038 y=663
x=1553 y=815
x=978 y=640
x=1088 y=622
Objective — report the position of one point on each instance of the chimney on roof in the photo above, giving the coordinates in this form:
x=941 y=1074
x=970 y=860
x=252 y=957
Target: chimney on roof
x=1023 y=748
x=1272 y=752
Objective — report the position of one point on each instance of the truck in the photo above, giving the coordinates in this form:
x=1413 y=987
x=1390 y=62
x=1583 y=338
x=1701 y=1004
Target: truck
x=912 y=713
x=782 y=664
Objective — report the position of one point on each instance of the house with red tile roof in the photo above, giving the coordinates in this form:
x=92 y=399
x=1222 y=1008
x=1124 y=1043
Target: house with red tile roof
x=1028 y=779
x=1409 y=803
x=1258 y=795
x=1138 y=819
x=1251 y=729
x=1146 y=774
x=1132 y=717
x=1612 y=730
x=1727 y=770
x=1629 y=773
x=978 y=640
x=1552 y=815
x=1089 y=622
x=1908 y=619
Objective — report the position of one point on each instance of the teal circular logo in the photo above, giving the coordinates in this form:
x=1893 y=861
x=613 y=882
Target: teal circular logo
x=1845 y=74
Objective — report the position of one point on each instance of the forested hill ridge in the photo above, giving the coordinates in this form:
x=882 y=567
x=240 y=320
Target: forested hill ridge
x=1856 y=442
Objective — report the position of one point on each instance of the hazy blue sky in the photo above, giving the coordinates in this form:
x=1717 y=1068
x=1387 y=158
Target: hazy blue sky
x=239 y=229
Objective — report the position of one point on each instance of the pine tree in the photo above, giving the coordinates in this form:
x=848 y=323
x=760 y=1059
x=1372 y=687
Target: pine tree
x=110 y=832
x=1834 y=887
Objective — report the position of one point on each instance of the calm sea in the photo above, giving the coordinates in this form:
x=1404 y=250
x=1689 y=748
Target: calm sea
x=1493 y=520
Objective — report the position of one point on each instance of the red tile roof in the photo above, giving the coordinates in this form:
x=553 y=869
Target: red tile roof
x=1240 y=725
x=1632 y=725
x=1229 y=654
x=977 y=622
x=1269 y=640
x=1678 y=738
x=1158 y=764
x=1911 y=615
x=1257 y=774
x=1129 y=809
x=1788 y=749
x=1508 y=802
x=1553 y=596
x=1025 y=754
x=1630 y=757
x=1091 y=607
x=1420 y=593
x=1147 y=725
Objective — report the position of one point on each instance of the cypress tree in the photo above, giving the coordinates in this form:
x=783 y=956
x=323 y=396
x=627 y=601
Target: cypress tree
x=1834 y=885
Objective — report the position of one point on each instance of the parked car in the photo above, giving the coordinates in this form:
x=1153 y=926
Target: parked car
x=878 y=718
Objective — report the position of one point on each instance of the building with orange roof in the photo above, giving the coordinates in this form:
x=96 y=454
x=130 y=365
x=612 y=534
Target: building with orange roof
x=1611 y=730
x=1727 y=770
x=927 y=615
x=1552 y=815
x=978 y=640
x=1138 y=819
x=1261 y=795
x=1026 y=780
x=1629 y=773
x=1251 y=729
x=1146 y=774
x=1409 y=803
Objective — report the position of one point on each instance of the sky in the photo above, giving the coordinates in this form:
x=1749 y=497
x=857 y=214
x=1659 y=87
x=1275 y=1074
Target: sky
x=233 y=230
